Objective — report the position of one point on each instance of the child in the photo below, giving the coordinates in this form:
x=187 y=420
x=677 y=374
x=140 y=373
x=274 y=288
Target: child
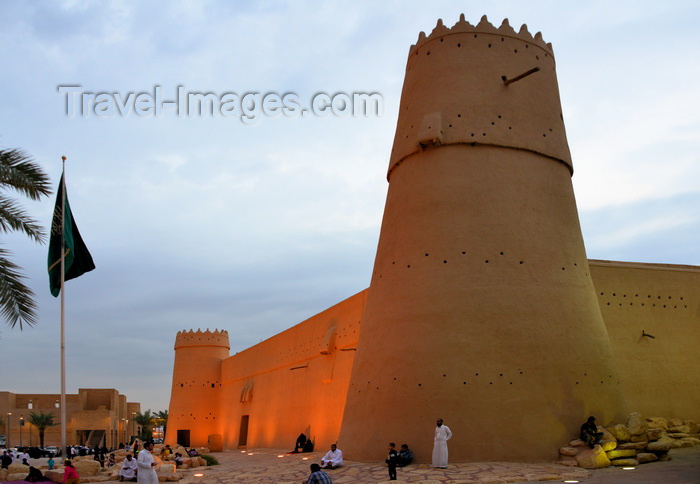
x=392 y=461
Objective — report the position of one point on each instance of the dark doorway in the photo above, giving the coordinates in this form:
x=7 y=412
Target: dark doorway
x=183 y=438
x=243 y=435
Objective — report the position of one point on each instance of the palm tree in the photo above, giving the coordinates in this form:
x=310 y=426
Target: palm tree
x=41 y=421
x=161 y=418
x=146 y=421
x=18 y=172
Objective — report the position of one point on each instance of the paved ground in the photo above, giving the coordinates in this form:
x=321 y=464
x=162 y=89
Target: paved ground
x=264 y=466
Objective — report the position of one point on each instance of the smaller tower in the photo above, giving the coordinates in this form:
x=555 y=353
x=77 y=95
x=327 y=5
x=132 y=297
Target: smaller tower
x=194 y=413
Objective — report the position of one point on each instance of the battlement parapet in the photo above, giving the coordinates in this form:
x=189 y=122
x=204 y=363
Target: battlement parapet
x=480 y=86
x=202 y=338
x=483 y=27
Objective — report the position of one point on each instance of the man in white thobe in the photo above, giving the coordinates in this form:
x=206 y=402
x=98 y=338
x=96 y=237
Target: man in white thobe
x=333 y=458
x=442 y=435
x=128 y=470
x=146 y=462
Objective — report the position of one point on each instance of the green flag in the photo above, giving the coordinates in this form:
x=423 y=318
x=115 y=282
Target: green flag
x=78 y=260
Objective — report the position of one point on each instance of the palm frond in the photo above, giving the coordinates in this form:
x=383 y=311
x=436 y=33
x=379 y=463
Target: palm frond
x=13 y=217
x=20 y=172
x=16 y=300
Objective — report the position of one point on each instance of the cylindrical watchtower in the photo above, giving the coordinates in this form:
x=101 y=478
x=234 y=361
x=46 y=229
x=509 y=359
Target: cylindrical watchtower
x=195 y=407
x=481 y=308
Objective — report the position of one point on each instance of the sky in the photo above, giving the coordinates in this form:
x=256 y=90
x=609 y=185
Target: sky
x=254 y=223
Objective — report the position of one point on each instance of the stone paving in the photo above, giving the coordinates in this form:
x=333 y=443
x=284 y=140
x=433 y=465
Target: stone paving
x=266 y=466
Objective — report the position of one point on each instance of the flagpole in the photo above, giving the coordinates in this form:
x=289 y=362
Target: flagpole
x=63 y=306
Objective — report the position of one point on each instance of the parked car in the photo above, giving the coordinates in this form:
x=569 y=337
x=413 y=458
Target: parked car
x=51 y=450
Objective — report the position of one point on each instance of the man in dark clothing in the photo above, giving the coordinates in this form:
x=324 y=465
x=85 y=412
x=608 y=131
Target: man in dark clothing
x=590 y=434
x=5 y=459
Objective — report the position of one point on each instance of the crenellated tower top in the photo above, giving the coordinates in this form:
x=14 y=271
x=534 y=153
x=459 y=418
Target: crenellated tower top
x=218 y=338
x=483 y=27
x=478 y=85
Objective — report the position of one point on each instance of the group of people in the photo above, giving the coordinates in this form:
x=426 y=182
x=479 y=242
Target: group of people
x=9 y=456
x=334 y=459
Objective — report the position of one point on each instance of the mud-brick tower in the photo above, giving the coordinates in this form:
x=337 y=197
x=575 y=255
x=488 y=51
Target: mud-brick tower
x=194 y=415
x=481 y=309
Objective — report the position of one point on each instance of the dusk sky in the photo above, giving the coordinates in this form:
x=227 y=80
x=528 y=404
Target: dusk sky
x=213 y=222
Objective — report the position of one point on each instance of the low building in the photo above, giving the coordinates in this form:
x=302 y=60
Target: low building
x=96 y=416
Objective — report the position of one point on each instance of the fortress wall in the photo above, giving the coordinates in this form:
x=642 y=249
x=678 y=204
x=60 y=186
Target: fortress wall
x=294 y=382
x=659 y=376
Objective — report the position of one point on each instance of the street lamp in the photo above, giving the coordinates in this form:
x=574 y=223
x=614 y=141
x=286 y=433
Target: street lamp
x=21 y=424
x=7 y=440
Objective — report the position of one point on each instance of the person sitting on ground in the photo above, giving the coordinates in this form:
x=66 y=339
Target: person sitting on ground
x=192 y=453
x=317 y=476
x=70 y=474
x=300 y=443
x=112 y=461
x=333 y=458
x=405 y=456
x=129 y=469
x=166 y=452
x=590 y=434
x=308 y=446
x=178 y=459
x=34 y=475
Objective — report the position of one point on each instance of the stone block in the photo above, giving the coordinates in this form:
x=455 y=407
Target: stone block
x=566 y=460
x=202 y=462
x=16 y=468
x=3 y=474
x=659 y=423
x=577 y=443
x=674 y=422
x=166 y=469
x=632 y=445
x=168 y=477
x=592 y=458
x=608 y=445
x=654 y=434
x=17 y=476
x=644 y=457
x=664 y=458
x=637 y=424
x=570 y=451
x=625 y=462
x=679 y=429
x=620 y=432
x=609 y=441
x=660 y=446
x=87 y=468
x=215 y=442
x=687 y=442
x=692 y=426
x=54 y=475
x=639 y=438
x=621 y=453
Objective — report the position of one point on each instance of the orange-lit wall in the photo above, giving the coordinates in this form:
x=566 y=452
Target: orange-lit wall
x=297 y=380
x=195 y=398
